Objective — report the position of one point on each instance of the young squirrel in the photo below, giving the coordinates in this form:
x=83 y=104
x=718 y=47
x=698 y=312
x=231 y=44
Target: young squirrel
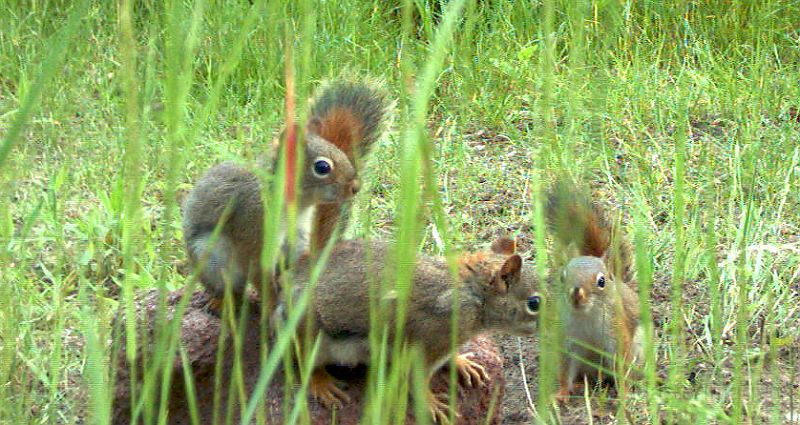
x=602 y=323
x=493 y=296
x=345 y=119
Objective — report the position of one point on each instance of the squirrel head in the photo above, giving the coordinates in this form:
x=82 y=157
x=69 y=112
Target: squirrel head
x=328 y=175
x=586 y=280
x=510 y=300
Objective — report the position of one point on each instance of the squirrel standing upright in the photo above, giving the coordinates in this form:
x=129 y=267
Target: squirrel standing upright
x=345 y=120
x=493 y=294
x=602 y=324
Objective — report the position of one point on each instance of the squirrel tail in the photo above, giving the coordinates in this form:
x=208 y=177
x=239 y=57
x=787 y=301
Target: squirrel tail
x=217 y=263
x=575 y=219
x=352 y=115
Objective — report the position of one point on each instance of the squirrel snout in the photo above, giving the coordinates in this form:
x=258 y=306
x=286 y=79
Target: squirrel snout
x=355 y=186
x=578 y=296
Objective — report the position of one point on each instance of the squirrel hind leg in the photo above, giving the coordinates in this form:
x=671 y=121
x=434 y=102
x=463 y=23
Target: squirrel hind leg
x=217 y=265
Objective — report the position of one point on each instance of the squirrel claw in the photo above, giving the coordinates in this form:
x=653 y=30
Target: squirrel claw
x=439 y=409
x=323 y=388
x=471 y=372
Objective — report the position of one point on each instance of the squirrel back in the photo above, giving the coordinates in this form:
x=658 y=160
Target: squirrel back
x=493 y=294
x=345 y=119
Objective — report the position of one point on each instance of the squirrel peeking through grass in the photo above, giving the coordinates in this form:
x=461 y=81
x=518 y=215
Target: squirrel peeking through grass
x=345 y=120
x=602 y=326
x=494 y=293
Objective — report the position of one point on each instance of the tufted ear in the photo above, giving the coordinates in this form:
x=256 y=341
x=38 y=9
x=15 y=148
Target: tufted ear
x=314 y=125
x=504 y=246
x=509 y=274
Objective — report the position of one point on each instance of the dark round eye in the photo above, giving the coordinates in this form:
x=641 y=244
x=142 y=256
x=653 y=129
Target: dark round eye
x=322 y=167
x=533 y=303
x=601 y=281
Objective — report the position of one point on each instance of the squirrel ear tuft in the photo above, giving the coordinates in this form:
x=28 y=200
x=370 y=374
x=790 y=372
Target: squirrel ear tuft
x=504 y=246
x=314 y=125
x=509 y=274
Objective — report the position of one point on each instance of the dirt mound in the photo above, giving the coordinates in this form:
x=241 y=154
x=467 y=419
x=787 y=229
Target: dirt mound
x=200 y=336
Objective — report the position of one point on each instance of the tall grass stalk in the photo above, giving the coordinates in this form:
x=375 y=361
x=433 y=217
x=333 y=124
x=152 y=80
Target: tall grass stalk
x=677 y=331
x=644 y=273
x=50 y=64
x=131 y=178
x=551 y=156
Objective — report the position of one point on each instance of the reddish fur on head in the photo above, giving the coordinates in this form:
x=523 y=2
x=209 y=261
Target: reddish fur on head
x=469 y=264
x=509 y=273
x=498 y=269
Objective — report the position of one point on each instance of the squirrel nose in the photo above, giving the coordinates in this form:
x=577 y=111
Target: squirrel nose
x=355 y=186
x=577 y=295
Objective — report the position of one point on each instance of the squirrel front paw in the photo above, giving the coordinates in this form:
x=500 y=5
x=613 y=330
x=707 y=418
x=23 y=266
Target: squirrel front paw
x=562 y=396
x=439 y=408
x=323 y=387
x=565 y=391
x=471 y=372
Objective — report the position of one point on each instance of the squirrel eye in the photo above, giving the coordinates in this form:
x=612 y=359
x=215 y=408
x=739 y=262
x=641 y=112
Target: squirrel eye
x=601 y=281
x=533 y=303
x=322 y=166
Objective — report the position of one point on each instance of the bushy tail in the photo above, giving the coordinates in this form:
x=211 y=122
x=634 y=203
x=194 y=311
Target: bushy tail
x=574 y=219
x=352 y=115
x=216 y=262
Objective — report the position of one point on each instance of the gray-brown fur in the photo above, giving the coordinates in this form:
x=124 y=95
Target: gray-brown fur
x=489 y=300
x=351 y=116
x=607 y=319
x=346 y=114
x=602 y=323
x=238 y=246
